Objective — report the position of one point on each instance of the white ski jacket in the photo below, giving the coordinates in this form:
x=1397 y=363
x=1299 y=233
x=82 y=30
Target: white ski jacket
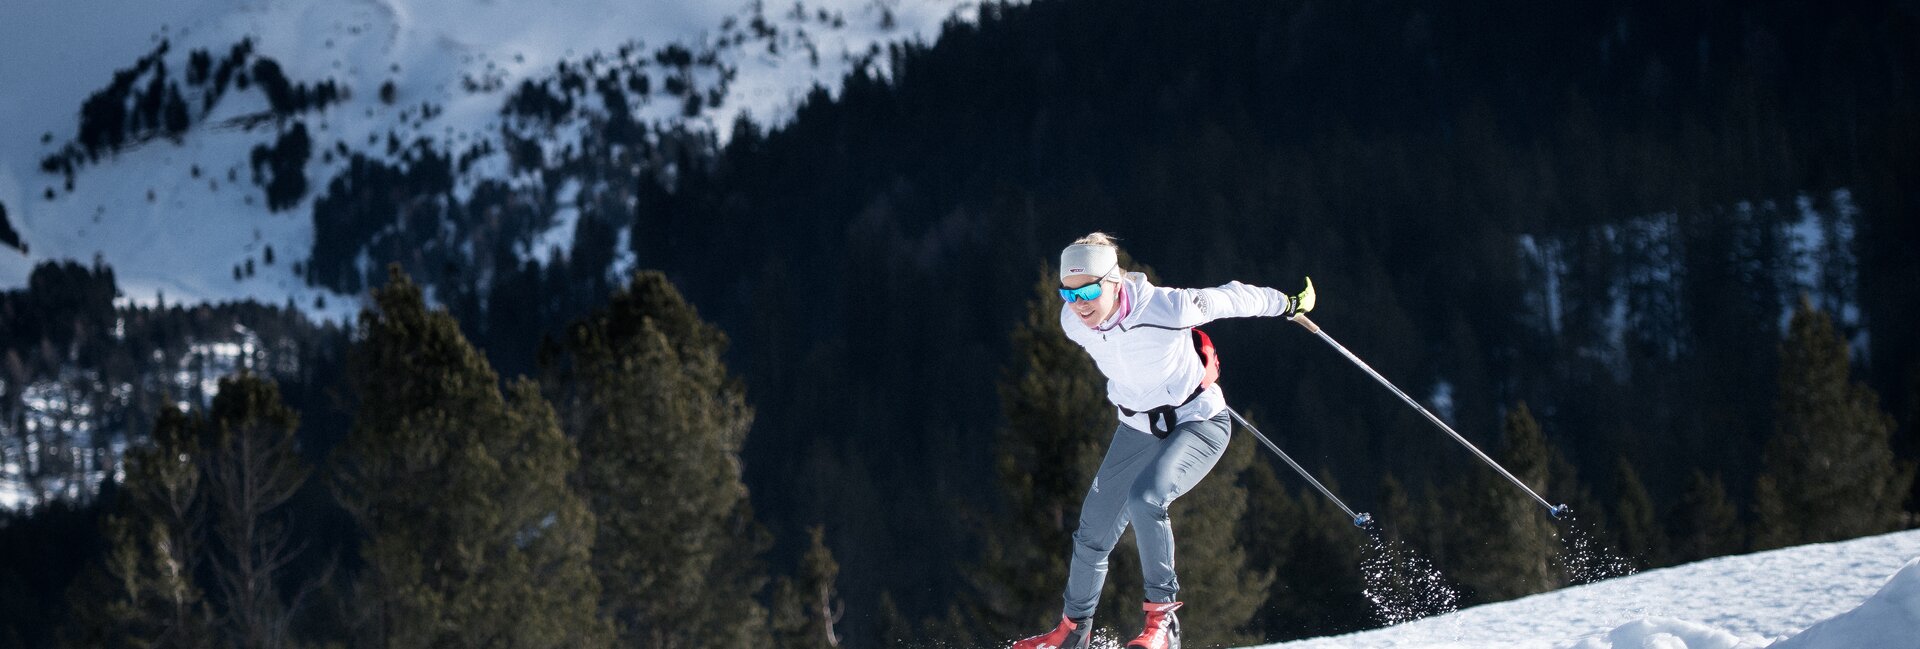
x=1147 y=352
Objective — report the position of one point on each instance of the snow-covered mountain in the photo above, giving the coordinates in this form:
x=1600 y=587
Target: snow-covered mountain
x=181 y=211
x=1858 y=594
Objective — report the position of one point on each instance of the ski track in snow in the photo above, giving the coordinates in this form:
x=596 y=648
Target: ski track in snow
x=1737 y=602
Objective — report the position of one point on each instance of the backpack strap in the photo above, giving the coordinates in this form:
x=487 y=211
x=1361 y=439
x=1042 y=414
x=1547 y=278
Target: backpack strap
x=1160 y=420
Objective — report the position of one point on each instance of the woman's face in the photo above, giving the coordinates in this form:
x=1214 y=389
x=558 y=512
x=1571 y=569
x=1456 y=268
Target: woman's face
x=1097 y=310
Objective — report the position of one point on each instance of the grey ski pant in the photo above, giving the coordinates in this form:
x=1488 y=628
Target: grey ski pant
x=1140 y=476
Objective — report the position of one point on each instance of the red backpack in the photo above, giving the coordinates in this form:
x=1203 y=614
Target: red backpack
x=1204 y=345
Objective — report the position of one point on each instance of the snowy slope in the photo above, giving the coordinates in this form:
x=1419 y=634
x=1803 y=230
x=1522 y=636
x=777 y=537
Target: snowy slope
x=1843 y=595
x=167 y=230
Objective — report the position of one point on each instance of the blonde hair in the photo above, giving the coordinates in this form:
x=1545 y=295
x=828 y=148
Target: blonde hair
x=1098 y=239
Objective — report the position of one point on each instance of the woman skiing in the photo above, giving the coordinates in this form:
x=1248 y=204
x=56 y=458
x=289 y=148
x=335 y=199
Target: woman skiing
x=1173 y=422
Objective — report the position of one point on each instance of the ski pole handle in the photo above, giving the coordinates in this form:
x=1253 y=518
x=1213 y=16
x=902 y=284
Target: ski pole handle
x=1301 y=319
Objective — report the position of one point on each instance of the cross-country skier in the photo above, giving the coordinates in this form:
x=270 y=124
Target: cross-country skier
x=1173 y=422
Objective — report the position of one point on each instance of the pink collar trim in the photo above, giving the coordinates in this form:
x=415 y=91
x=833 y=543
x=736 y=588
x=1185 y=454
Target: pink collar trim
x=1120 y=310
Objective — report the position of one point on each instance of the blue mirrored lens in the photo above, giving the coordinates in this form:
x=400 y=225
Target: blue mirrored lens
x=1088 y=292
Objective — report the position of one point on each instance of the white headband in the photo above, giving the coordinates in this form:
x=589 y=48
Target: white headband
x=1090 y=259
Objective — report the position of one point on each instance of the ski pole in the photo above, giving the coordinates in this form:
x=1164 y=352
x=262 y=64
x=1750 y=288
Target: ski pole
x=1552 y=510
x=1359 y=520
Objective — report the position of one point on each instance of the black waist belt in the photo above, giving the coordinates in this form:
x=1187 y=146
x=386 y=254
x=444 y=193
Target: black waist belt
x=1160 y=420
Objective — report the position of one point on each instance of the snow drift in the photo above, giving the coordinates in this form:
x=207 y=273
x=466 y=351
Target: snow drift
x=1890 y=618
x=1823 y=596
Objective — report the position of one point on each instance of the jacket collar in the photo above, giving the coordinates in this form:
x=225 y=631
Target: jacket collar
x=1127 y=313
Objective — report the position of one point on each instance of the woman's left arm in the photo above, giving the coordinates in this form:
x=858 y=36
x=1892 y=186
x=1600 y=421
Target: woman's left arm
x=1198 y=306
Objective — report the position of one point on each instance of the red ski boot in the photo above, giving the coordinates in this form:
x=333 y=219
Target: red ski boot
x=1070 y=634
x=1163 y=628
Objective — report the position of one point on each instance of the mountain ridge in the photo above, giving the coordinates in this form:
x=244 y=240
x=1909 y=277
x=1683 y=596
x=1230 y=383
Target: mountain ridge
x=186 y=213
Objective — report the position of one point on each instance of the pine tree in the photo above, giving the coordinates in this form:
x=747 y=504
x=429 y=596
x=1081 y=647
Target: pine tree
x=1704 y=524
x=156 y=545
x=1586 y=554
x=1829 y=471
x=1322 y=593
x=1773 y=525
x=660 y=424
x=1440 y=524
x=1397 y=516
x=807 y=608
x=1507 y=547
x=1271 y=532
x=473 y=538
x=1313 y=559
x=1058 y=421
x=1636 y=529
x=198 y=545
x=251 y=469
x=176 y=117
x=891 y=628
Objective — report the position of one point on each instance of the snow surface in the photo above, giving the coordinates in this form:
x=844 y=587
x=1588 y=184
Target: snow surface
x=1890 y=618
x=165 y=231
x=1858 y=594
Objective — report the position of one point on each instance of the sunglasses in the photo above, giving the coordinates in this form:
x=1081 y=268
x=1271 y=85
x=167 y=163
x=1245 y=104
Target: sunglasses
x=1088 y=292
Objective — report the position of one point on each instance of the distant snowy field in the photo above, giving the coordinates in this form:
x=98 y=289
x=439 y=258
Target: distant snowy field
x=1843 y=595
x=166 y=232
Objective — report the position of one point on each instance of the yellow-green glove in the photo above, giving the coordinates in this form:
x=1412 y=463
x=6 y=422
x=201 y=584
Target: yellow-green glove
x=1301 y=302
